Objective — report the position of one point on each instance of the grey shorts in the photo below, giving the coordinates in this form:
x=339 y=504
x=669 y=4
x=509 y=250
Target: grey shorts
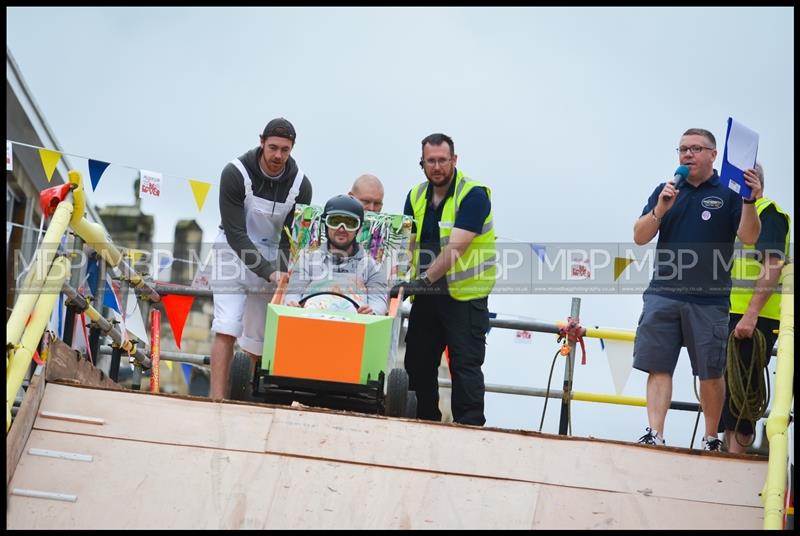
x=666 y=325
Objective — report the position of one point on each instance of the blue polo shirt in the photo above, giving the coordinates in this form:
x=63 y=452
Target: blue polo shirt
x=694 y=252
x=472 y=212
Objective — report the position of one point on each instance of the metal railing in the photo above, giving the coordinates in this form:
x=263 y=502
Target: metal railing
x=501 y=323
x=773 y=495
x=47 y=277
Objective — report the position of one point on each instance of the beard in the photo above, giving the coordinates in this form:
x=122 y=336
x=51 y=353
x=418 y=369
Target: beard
x=440 y=179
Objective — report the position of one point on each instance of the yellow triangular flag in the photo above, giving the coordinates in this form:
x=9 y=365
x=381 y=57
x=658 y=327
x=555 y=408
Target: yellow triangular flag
x=200 y=191
x=169 y=364
x=620 y=264
x=49 y=161
x=134 y=255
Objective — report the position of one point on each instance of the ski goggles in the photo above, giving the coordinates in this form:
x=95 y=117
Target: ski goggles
x=351 y=223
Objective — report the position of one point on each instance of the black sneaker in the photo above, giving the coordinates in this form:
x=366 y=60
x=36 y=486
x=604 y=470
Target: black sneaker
x=652 y=438
x=712 y=444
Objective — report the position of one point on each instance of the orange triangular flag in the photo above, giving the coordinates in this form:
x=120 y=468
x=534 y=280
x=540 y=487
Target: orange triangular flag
x=200 y=191
x=620 y=263
x=177 y=309
x=49 y=161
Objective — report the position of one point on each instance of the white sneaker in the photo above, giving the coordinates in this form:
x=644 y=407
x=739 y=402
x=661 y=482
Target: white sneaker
x=712 y=444
x=652 y=438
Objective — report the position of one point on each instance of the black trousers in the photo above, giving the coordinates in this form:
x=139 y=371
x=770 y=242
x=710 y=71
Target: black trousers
x=766 y=326
x=438 y=321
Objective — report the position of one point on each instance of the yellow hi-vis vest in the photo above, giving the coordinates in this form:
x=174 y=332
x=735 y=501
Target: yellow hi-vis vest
x=474 y=273
x=747 y=270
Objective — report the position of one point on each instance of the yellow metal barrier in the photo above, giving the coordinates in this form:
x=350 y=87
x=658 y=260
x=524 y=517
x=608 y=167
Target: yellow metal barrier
x=40 y=266
x=774 y=491
x=611 y=334
x=41 y=300
x=605 y=333
x=126 y=344
x=610 y=399
x=92 y=234
x=21 y=355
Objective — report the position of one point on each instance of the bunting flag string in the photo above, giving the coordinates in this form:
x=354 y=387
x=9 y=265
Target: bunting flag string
x=50 y=159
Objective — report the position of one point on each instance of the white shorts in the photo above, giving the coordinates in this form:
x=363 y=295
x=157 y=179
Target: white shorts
x=236 y=313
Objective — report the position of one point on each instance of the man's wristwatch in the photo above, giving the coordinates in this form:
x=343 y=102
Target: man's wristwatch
x=425 y=279
x=748 y=201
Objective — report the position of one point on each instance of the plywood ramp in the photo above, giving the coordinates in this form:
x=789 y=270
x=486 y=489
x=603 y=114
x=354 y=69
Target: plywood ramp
x=162 y=461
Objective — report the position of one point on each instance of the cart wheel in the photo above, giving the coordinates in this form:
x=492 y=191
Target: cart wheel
x=241 y=376
x=411 y=405
x=396 y=393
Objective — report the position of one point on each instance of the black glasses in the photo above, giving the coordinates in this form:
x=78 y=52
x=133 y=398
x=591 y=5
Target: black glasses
x=694 y=149
x=351 y=223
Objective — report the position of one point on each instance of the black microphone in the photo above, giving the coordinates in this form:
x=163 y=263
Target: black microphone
x=680 y=176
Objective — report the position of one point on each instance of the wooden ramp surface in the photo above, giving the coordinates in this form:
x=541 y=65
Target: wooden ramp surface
x=164 y=461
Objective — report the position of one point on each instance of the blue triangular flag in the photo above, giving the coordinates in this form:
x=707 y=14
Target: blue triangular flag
x=187 y=372
x=110 y=299
x=96 y=169
x=491 y=315
x=602 y=344
x=539 y=249
x=61 y=316
x=164 y=262
x=92 y=273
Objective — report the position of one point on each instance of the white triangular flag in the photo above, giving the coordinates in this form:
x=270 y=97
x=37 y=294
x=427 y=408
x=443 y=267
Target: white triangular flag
x=134 y=322
x=56 y=322
x=202 y=278
x=80 y=335
x=113 y=300
x=620 y=362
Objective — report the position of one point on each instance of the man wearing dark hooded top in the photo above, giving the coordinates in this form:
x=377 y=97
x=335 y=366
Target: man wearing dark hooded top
x=258 y=192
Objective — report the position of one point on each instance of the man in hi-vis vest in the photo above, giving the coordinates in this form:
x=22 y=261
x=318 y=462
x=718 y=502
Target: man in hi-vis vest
x=755 y=304
x=454 y=258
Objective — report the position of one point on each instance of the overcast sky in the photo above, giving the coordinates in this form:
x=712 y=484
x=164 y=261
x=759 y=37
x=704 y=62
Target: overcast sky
x=570 y=115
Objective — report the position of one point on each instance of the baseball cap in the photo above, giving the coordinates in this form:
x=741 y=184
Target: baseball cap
x=280 y=127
